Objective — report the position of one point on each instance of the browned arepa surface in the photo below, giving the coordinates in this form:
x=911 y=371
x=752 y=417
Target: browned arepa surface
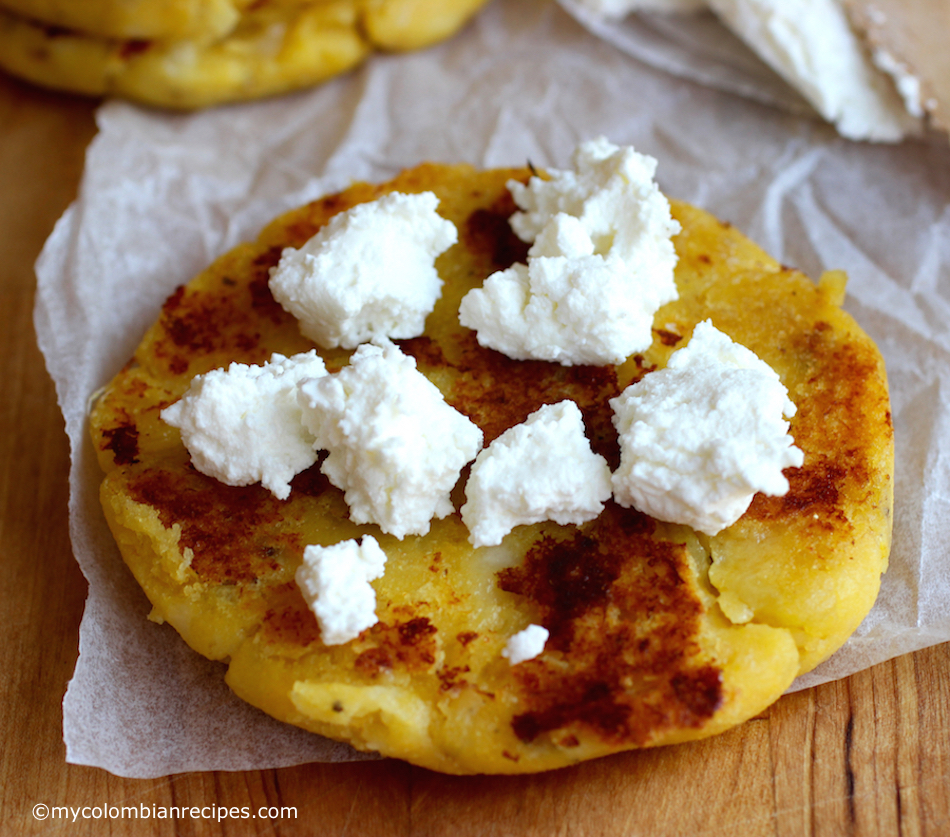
x=658 y=634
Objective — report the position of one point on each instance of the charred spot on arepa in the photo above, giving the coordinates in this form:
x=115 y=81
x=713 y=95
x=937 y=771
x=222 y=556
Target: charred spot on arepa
x=52 y=30
x=297 y=227
x=409 y=646
x=123 y=442
x=233 y=532
x=625 y=623
x=487 y=232
x=838 y=389
x=568 y=578
x=466 y=637
x=835 y=392
x=452 y=679
x=133 y=47
x=195 y=325
x=425 y=350
x=497 y=392
x=312 y=482
x=262 y=300
x=814 y=491
x=291 y=624
x=667 y=338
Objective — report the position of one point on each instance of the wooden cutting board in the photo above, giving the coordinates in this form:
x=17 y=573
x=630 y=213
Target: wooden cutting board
x=869 y=755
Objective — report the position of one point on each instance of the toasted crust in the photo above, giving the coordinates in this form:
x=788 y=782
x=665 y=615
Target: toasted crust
x=657 y=634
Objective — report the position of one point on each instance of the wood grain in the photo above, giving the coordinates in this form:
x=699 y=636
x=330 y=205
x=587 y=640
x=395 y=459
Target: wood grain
x=869 y=755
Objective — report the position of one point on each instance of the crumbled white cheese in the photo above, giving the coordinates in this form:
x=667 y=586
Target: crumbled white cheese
x=369 y=273
x=335 y=582
x=396 y=448
x=612 y=192
x=526 y=644
x=542 y=469
x=699 y=438
x=600 y=267
x=243 y=425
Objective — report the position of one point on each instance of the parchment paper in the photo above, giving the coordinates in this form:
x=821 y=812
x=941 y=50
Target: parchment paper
x=163 y=194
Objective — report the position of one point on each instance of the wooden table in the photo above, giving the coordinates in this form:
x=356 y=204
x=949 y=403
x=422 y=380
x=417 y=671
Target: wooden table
x=869 y=755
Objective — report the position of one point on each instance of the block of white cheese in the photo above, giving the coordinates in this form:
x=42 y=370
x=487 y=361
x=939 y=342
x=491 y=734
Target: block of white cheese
x=700 y=437
x=396 y=448
x=369 y=273
x=243 y=425
x=813 y=45
x=542 y=469
x=600 y=267
x=335 y=583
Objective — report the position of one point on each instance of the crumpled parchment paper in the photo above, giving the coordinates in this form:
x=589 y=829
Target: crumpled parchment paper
x=163 y=194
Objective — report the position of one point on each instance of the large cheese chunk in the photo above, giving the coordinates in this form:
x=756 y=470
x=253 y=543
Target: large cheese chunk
x=243 y=425
x=395 y=447
x=699 y=438
x=369 y=273
x=542 y=469
x=600 y=267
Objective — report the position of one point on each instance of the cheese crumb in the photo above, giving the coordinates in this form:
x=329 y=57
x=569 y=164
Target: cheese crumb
x=396 y=448
x=335 y=582
x=542 y=469
x=369 y=273
x=699 y=438
x=600 y=267
x=526 y=644
x=243 y=425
